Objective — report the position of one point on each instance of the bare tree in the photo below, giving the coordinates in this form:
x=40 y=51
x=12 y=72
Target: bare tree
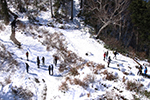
x=72 y=9
x=108 y=12
x=51 y=8
x=4 y=11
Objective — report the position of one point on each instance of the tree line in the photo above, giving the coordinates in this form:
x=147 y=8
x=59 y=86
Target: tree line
x=122 y=23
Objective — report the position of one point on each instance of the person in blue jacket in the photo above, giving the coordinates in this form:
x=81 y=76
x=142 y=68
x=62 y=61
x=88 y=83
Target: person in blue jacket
x=145 y=71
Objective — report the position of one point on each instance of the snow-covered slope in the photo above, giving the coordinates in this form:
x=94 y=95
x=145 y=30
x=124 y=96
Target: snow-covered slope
x=39 y=85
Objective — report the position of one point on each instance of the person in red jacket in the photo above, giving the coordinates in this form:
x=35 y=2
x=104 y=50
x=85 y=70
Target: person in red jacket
x=104 y=56
x=27 y=55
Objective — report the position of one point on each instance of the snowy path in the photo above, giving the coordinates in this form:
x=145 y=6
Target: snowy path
x=35 y=48
x=80 y=43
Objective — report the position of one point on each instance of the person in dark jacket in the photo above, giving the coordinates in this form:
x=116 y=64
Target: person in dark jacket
x=43 y=60
x=109 y=60
x=27 y=67
x=140 y=70
x=27 y=55
x=50 y=68
x=115 y=55
x=107 y=54
x=38 y=62
x=55 y=60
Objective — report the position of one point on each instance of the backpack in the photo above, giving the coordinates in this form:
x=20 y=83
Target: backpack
x=146 y=71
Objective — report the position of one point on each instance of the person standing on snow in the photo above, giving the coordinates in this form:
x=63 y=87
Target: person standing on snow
x=145 y=72
x=43 y=60
x=104 y=56
x=140 y=70
x=115 y=53
x=55 y=60
x=107 y=54
x=38 y=62
x=27 y=55
x=109 y=60
x=27 y=67
x=50 y=68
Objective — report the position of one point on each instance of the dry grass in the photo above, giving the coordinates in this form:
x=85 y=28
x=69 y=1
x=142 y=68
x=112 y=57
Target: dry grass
x=74 y=72
x=123 y=79
x=134 y=86
x=80 y=83
x=109 y=76
x=62 y=67
x=64 y=87
x=100 y=66
x=8 y=80
x=89 y=78
x=21 y=25
x=22 y=93
x=111 y=95
x=6 y=57
x=2 y=28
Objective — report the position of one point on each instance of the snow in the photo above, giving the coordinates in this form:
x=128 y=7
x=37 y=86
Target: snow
x=78 y=41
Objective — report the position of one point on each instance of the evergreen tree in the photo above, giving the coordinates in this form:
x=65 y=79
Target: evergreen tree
x=140 y=15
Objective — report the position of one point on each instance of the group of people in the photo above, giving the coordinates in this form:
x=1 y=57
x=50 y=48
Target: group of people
x=140 y=71
x=115 y=57
x=50 y=68
x=109 y=58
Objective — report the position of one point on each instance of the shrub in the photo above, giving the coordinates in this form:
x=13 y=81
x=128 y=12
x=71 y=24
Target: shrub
x=109 y=76
x=123 y=79
x=8 y=80
x=22 y=93
x=70 y=57
x=2 y=27
x=89 y=78
x=80 y=83
x=147 y=94
x=100 y=66
x=133 y=86
x=74 y=71
x=44 y=92
x=64 y=87
x=62 y=67
x=6 y=57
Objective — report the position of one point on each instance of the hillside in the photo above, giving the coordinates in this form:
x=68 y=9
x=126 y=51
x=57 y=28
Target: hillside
x=81 y=72
x=90 y=78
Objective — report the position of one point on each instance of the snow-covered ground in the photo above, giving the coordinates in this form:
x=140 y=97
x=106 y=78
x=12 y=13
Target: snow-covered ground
x=79 y=42
x=39 y=85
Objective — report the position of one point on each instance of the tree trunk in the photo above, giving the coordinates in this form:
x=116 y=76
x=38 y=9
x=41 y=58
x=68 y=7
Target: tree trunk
x=137 y=41
x=4 y=11
x=129 y=40
x=120 y=29
x=13 y=38
x=71 y=9
x=81 y=4
x=51 y=8
x=105 y=25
